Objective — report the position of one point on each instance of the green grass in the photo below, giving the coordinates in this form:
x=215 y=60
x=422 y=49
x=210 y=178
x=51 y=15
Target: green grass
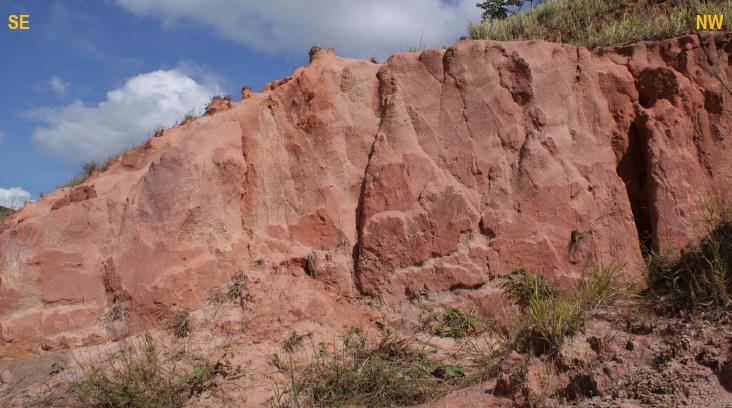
x=521 y=286
x=552 y=316
x=390 y=371
x=140 y=376
x=456 y=323
x=593 y=23
x=700 y=278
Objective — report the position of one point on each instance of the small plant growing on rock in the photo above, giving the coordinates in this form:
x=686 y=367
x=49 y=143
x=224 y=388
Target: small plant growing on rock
x=118 y=312
x=521 y=286
x=182 y=324
x=190 y=116
x=235 y=291
x=457 y=324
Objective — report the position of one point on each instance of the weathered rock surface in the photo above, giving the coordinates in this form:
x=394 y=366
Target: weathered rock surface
x=434 y=171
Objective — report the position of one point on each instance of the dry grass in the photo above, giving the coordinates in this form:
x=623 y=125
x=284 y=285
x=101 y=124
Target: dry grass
x=235 y=291
x=140 y=376
x=182 y=324
x=593 y=23
x=385 y=372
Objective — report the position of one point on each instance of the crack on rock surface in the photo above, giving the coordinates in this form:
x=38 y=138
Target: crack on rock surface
x=632 y=169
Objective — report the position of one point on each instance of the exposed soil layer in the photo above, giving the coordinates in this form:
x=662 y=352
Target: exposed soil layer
x=630 y=357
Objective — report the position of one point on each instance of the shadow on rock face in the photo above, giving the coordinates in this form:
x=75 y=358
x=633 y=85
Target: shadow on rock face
x=725 y=376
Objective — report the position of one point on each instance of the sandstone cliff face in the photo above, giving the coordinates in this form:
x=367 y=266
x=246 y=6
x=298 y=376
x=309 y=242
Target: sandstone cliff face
x=436 y=171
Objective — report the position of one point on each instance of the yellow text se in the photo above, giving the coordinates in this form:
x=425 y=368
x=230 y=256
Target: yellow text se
x=19 y=21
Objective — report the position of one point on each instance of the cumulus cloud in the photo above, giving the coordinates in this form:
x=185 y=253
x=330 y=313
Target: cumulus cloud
x=354 y=28
x=14 y=197
x=58 y=86
x=128 y=116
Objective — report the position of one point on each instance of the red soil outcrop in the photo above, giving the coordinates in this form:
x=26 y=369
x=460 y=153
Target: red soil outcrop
x=435 y=171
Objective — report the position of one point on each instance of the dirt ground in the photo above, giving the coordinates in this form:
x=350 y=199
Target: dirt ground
x=630 y=357
x=627 y=356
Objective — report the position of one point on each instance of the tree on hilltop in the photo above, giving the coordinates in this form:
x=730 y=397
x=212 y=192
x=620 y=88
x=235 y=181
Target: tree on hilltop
x=501 y=9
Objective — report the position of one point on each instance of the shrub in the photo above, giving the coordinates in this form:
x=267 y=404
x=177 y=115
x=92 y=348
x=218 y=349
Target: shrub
x=139 y=376
x=389 y=372
x=592 y=23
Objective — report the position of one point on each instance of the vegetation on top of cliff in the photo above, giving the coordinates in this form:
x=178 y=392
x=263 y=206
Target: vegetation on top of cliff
x=89 y=169
x=593 y=23
x=93 y=167
x=4 y=212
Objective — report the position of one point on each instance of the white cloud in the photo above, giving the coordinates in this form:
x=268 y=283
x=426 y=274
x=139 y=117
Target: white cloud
x=128 y=116
x=354 y=28
x=58 y=86
x=14 y=197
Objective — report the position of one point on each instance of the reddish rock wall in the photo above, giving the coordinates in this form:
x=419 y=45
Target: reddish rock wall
x=435 y=171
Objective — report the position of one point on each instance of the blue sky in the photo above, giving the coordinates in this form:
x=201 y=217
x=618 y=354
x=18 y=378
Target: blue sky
x=92 y=77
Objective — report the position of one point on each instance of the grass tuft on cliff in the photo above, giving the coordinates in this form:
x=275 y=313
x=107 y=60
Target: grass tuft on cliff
x=701 y=277
x=89 y=169
x=457 y=323
x=552 y=315
x=593 y=23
